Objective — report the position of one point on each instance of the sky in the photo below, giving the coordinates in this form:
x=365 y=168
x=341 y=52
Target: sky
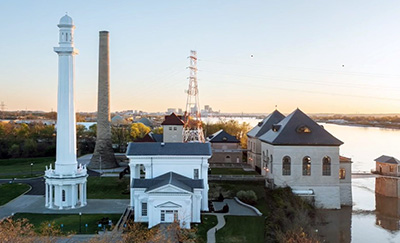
x=339 y=56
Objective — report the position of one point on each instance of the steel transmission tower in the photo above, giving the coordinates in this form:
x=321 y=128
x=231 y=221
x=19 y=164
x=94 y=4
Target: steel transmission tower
x=193 y=130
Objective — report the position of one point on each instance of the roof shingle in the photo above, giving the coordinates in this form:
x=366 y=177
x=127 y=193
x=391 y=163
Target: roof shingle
x=172 y=120
x=169 y=178
x=180 y=149
x=266 y=124
x=299 y=129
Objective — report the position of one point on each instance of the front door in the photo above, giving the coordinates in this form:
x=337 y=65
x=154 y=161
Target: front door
x=168 y=216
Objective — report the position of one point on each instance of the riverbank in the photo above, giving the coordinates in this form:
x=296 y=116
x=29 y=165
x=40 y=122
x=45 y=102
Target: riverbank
x=362 y=123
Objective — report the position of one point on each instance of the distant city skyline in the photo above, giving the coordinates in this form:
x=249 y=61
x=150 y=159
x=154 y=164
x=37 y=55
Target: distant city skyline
x=323 y=57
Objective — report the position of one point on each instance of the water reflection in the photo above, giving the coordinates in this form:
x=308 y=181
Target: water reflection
x=335 y=225
x=387 y=203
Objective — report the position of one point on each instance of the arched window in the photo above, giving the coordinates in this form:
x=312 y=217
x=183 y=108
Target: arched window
x=342 y=174
x=286 y=165
x=306 y=166
x=63 y=195
x=326 y=166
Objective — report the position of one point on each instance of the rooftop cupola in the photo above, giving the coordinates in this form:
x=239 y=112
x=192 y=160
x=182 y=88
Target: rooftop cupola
x=67 y=27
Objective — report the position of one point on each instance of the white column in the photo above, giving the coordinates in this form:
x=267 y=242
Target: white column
x=81 y=193
x=51 y=196
x=46 y=195
x=60 y=196
x=73 y=196
x=148 y=171
x=84 y=193
x=204 y=175
x=66 y=124
x=137 y=172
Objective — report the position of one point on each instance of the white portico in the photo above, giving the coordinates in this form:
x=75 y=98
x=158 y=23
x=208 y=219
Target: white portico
x=66 y=184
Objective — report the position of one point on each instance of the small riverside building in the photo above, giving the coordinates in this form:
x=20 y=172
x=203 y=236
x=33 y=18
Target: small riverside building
x=254 y=143
x=225 y=148
x=299 y=153
x=175 y=185
x=387 y=165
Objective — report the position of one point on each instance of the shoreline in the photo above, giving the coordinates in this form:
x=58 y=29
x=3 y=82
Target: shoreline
x=354 y=124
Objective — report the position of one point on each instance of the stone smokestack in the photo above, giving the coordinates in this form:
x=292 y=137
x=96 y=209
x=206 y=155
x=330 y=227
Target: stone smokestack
x=103 y=156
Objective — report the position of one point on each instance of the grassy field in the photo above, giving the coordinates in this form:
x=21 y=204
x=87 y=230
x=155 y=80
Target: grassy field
x=70 y=221
x=10 y=191
x=21 y=168
x=242 y=229
x=230 y=188
x=207 y=222
x=107 y=188
x=231 y=171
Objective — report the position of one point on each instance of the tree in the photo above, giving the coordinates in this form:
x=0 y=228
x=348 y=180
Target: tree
x=19 y=230
x=120 y=135
x=157 y=130
x=138 y=130
x=139 y=233
x=239 y=130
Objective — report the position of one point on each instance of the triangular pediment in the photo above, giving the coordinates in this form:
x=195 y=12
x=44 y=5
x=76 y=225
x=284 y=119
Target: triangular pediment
x=168 y=204
x=168 y=189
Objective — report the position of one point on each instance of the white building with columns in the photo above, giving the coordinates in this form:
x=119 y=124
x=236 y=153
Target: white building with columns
x=175 y=186
x=66 y=183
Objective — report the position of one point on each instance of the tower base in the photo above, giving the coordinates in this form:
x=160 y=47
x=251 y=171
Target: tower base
x=66 y=191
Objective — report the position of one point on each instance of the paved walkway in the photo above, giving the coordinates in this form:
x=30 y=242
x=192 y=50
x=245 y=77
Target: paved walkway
x=35 y=204
x=221 y=223
x=234 y=209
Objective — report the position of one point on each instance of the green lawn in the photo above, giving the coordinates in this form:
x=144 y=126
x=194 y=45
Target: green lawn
x=70 y=221
x=230 y=188
x=10 y=191
x=207 y=222
x=107 y=188
x=231 y=171
x=242 y=229
x=21 y=168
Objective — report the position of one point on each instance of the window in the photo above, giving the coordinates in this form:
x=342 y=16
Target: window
x=162 y=215
x=170 y=128
x=196 y=173
x=342 y=174
x=391 y=168
x=63 y=195
x=144 y=209
x=303 y=129
x=286 y=166
x=306 y=166
x=174 y=128
x=326 y=166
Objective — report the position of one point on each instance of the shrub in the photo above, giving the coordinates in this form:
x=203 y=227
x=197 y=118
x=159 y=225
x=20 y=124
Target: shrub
x=248 y=197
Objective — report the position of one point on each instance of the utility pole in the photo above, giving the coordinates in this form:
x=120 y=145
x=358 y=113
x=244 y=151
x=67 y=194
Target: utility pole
x=193 y=130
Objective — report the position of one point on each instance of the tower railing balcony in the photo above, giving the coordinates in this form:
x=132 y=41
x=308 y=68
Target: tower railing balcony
x=80 y=172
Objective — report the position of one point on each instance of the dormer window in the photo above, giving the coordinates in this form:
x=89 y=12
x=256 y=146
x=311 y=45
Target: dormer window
x=260 y=124
x=224 y=139
x=275 y=127
x=303 y=129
